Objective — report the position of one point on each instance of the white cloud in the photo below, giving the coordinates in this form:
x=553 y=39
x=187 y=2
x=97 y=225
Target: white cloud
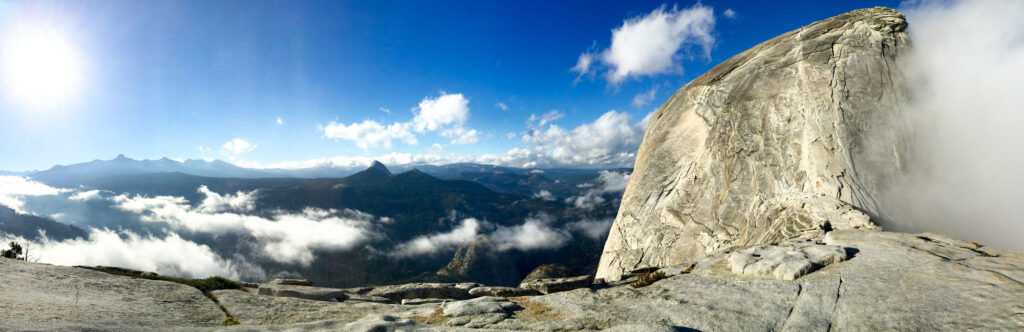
x=13 y=188
x=651 y=44
x=203 y=149
x=385 y=110
x=510 y=135
x=544 y=195
x=606 y=182
x=611 y=140
x=729 y=13
x=279 y=121
x=447 y=109
x=966 y=70
x=284 y=237
x=588 y=200
x=502 y=106
x=535 y=233
x=238 y=146
x=170 y=255
x=85 y=195
x=610 y=181
x=370 y=134
x=594 y=229
x=645 y=97
x=461 y=135
x=465 y=233
x=540 y=121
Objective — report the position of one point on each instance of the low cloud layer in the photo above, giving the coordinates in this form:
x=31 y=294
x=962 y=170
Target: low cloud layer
x=606 y=182
x=966 y=70
x=14 y=188
x=170 y=255
x=653 y=43
x=284 y=237
x=535 y=233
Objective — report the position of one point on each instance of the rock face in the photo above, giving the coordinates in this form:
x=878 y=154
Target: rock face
x=794 y=137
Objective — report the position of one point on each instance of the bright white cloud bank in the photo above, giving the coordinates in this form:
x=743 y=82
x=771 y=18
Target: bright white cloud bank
x=653 y=43
x=284 y=237
x=170 y=255
x=535 y=233
x=607 y=182
x=966 y=70
x=14 y=188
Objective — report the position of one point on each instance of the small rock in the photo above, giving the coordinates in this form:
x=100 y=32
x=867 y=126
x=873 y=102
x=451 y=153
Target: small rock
x=421 y=301
x=552 y=285
x=478 y=312
x=501 y=291
x=296 y=282
x=303 y=292
x=549 y=271
x=424 y=290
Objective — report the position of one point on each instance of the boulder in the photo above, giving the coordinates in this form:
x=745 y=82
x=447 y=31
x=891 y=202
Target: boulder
x=501 y=291
x=548 y=271
x=295 y=282
x=552 y=285
x=794 y=137
x=785 y=261
x=478 y=312
x=424 y=290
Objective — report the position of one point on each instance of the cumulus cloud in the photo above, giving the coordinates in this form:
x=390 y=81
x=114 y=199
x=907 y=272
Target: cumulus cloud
x=543 y=119
x=14 y=188
x=533 y=234
x=445 y=110
x=612 y=139
x=465 y=233
x=966 y=69
x=729 y=13
x=652 y=44
x=145 y=253
x=370 y=134
x=238 y=146
x=285 y=237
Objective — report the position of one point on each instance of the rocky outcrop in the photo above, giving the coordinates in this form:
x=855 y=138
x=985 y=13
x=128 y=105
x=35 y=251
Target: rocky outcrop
x=794 y=137
x=553 y=285
x=46 y=297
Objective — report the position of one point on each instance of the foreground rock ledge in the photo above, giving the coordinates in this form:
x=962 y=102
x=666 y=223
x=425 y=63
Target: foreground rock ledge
x=890 y=281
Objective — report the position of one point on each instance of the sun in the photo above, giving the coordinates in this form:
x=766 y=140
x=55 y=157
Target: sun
x=40 y=67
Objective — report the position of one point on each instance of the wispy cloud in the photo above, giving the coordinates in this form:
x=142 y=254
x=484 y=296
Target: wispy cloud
x=465 y=233
x=644 y=98
x=546 y=118
x=238 y=146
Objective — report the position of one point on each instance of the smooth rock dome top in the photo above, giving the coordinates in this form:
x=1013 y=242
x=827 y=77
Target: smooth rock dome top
x=794 y=137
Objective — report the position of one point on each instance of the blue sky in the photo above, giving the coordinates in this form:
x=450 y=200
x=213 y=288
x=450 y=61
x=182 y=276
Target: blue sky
x=209 y=79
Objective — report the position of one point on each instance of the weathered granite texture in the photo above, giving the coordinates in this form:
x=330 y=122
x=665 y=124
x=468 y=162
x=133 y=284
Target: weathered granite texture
x=795 y=136
x=46 y=297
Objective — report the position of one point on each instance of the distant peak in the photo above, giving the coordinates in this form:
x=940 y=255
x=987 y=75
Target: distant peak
x=376 y=165
x=121 y=157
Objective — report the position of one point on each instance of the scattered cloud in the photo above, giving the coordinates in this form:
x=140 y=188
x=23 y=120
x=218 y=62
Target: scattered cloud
x=729 y=13
x=535 y=233
x=385 y=110
x=86 y=195
x=465 y=233
x=653 y=44
x=540 y=121
x=238 y=146
x=370 y=134
x=510 y=135
x=644 y=98
x=460 y=135
x=204 y=149
x=502 y=106
x=279 y=121
x=544 y=195
x=606 y=182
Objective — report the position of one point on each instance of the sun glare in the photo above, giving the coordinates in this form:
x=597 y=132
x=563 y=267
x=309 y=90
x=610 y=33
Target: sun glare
x=41 y=68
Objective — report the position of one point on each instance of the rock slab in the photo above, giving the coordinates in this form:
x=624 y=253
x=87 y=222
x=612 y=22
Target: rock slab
x=794 y=137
